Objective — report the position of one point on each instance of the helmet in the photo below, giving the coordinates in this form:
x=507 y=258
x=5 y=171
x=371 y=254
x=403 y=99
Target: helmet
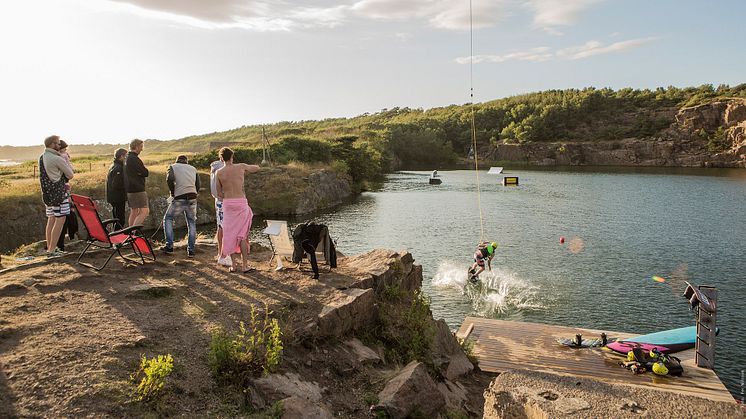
x=494 y=245
x=660 y=368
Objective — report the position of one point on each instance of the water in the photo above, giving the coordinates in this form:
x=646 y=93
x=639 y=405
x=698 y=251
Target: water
x=622 y=226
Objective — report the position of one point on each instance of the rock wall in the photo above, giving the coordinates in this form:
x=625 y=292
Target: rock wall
x=271 y=192
x=683 y=144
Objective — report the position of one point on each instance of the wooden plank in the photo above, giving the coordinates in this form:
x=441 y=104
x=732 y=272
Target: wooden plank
x=464 y=333
x=500 y=345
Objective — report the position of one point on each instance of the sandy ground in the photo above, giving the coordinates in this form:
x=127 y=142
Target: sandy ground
x=70 y=337
x=534 y=394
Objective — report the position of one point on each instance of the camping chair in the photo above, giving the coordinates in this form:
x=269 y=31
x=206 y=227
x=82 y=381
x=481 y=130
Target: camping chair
x=100 y=237
x=282 y=244
x=279 y=240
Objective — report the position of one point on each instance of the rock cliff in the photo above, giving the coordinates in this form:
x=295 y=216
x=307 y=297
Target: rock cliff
x=687 y=142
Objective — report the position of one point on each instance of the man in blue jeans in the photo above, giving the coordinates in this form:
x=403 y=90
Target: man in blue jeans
x=183 y=182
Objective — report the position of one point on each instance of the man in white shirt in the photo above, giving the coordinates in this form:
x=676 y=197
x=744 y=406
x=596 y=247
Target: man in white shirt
x=183 y=183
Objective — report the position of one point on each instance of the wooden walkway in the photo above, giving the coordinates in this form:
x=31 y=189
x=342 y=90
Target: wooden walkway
x=502 y=345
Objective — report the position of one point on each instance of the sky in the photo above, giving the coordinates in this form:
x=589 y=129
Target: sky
x=108 y=71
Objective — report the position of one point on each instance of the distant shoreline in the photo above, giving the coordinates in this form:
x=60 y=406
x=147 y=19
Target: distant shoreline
x=5 y=162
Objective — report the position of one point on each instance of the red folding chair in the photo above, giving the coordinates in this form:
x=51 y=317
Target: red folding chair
x=100 y=237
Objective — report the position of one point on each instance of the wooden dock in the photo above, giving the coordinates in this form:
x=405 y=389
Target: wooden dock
x=502 y=345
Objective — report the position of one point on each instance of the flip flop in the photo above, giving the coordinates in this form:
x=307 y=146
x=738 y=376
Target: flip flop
x=249 y=270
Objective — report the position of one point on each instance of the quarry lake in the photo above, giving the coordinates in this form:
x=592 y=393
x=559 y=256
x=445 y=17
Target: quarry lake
x=621 y=227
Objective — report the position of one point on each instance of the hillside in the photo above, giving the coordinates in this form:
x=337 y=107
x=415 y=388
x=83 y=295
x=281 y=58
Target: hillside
x=417 y=138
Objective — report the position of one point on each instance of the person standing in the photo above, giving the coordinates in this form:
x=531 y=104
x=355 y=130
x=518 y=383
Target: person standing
x=214 y=167
x=183 y=182
x=237 y=214
x=116 y=195
x=54 y=173
x=134 y=183
x=70 y=226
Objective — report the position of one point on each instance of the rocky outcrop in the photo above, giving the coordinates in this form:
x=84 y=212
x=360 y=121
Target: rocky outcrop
x=411 y=393
x=380 y=268
x=708 y=116
x=325 y=189
x=448 y=356
x=353 y=311
x=683 y=144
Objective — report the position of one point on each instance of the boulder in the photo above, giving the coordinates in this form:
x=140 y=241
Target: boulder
x=276 y=386
x=447 y=354
x=298 y=408
x=380 y=268
x=454 y=394
x=352 y=310
x=412 y=392
x=362 y=353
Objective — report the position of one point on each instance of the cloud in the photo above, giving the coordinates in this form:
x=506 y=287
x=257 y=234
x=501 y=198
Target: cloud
x=540 y=54
x=455 y=15
x=395 y=9
x=549 y=14
x=255 y=15
x=592 y=48
x=534 y=54
x=273 y=15
x=218 y=11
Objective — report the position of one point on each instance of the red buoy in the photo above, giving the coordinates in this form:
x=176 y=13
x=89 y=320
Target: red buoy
x=562 y=239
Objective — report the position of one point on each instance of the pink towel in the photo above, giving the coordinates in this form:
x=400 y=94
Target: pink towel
x=236 y=224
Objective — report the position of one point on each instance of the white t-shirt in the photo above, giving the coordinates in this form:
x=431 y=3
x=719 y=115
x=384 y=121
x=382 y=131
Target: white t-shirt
x=214 y=167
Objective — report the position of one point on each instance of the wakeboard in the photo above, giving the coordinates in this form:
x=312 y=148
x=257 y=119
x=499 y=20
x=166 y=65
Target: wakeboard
x=665 y=341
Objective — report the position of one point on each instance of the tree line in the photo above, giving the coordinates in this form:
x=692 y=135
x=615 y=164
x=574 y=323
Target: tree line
x=404 y=138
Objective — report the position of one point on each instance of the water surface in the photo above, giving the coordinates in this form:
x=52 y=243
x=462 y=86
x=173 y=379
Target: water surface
x=621 y=227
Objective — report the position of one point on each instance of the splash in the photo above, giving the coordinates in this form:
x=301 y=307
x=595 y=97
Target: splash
x=498 y=293
x=450 y=275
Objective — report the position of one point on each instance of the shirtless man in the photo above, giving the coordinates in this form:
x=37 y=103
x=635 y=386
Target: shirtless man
x=237 y=214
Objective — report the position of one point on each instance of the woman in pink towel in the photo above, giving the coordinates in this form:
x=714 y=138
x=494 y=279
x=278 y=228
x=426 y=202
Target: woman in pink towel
x=236 y=211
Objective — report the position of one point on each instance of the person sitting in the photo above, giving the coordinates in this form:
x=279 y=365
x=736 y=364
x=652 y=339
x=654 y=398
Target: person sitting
x=485 y=250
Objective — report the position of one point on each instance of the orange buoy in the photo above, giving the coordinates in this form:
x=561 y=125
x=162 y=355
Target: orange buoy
x=562 y=239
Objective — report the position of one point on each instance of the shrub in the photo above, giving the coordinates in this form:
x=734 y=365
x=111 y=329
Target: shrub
x=152 y=375
x=718 y=141
x=406 y=333
x=254 y=350
x=467 y=345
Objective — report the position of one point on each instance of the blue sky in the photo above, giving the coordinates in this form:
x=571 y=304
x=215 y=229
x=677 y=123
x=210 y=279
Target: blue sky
x=109 y=71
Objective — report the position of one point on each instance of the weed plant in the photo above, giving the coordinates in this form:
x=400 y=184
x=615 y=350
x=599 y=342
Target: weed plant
x=152 y=376
x=256 y=349
x=406 y=328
